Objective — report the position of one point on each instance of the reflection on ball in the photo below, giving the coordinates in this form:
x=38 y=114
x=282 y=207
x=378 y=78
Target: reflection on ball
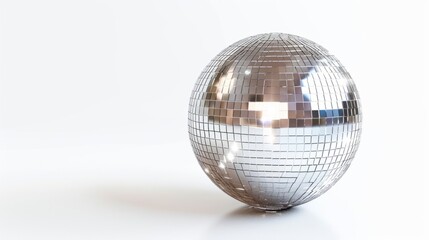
x=274 y=120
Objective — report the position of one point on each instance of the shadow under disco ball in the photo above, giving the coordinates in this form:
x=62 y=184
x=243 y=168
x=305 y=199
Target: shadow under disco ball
x=274 y=120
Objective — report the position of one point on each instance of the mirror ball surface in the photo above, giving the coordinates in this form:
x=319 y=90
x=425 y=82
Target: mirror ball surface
x=274 y=120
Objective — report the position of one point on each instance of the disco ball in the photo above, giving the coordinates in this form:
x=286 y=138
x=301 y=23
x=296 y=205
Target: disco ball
x=274 y=120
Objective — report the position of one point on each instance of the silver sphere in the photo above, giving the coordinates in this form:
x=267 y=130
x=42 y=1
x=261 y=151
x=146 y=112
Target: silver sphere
x=274 y=120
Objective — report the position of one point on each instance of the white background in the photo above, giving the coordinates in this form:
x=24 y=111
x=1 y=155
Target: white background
x=93 y=119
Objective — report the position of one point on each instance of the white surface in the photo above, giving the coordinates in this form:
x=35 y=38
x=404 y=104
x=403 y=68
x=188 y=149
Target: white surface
x=93 y=119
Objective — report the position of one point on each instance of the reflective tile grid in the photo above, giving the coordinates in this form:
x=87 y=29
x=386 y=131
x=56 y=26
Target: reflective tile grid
x=274 y=120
